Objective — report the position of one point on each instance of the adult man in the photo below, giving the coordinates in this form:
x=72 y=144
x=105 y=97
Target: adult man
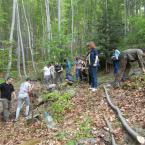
x=128 y=56
x=58 y=70
x=7 y=91
x=25 y=89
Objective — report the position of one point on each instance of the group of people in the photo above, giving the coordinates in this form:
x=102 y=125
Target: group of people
x=122 y=62
x=53 y=73
x=8 y=91
x=85 y=69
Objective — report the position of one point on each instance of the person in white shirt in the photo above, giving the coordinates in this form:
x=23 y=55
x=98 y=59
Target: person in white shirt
x=25 y=88
x=47 y=73
x=52 y=72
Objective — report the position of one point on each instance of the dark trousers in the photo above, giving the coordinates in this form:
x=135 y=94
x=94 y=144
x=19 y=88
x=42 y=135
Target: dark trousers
x=78 y=74
x=116 y=66
x=89 y=75
x=93 y=76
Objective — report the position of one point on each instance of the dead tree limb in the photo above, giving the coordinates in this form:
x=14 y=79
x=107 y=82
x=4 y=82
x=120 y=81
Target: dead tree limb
x=140 y=139
x=111 y=131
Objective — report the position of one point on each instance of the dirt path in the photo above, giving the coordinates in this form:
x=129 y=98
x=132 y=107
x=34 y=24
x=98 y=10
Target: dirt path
x=84 y=121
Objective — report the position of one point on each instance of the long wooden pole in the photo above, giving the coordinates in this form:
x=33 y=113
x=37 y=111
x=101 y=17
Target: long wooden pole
x=140 y=139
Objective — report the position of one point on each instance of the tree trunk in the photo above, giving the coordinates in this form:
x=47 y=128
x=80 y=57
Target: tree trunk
x=29 y=38
x=11 y=38
x=125 y=16
x=59 y=15
x=48 y=19
x=18 y=53
x=110 y=130
x=72 y=27
x=134 y=134
x=21 y=41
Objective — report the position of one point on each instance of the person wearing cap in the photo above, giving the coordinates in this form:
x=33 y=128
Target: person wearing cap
x=24 y=91
x=93 y=62
x=7 y=91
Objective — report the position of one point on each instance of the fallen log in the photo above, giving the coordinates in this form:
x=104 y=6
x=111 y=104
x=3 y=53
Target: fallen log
x=111 y=131
x=140 y=139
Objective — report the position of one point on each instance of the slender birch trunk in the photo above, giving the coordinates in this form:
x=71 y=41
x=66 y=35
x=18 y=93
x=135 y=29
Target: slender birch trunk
x=48 y=19
x=72 y=27
x=18 y=54
x=21 y=41
x=59 y=15
x=29 y=37
x=125 y=14
x=11 y=37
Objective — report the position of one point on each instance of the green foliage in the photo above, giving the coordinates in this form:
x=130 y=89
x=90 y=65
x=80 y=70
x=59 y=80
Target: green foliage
x=84 y=128
x=1 y=80
x=71 y=142
x=136 y=35
x=3 y=60
x=60 y=103
x=61 y=135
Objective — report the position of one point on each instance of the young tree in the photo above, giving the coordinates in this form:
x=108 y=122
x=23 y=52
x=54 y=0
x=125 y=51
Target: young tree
x=29 y=38
x=11 y=38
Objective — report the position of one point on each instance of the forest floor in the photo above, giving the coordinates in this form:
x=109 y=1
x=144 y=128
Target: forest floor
x=82 y=122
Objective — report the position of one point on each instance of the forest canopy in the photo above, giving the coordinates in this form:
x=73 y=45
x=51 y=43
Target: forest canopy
x=33 y=32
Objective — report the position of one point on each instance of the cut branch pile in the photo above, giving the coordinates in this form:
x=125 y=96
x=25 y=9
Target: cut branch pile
x=134 y=134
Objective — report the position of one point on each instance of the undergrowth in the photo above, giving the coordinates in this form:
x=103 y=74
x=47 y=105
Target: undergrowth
x=60 y=103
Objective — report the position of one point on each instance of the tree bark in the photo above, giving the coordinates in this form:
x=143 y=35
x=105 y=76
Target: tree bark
x=29 y=38
x=72 y=27
x=134 y=134
x=125 y=16
x=48 y=19
x=59 y=15
x=110 y=130
x=11 y=38
x=21 y=41
x=18 y=53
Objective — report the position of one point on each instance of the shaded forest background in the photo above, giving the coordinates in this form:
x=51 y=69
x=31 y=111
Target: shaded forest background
x=35 y=32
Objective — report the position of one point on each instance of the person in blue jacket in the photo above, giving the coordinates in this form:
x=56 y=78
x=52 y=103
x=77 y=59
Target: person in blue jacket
x=67 y=67
x=93 y=61
x=115 y=58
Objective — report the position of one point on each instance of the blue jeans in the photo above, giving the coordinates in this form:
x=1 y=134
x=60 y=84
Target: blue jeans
x=93 y=72
x=21 y=98
x=67 y=72
x=78 y=73
x=116 y=66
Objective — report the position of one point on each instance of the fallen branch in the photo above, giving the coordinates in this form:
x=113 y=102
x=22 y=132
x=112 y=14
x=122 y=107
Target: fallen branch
x=110 y=130
x=140 y=139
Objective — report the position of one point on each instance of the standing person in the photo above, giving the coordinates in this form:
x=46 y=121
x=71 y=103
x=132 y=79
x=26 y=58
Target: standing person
x=83 y=70
x=67 y=67
x=89 y=67
x=93 y=63
x=115 y=58
x=24 y=91
x=78 y=66
x=47 y=74
x=126 y=58
x=7 y=91
x=58 y=70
